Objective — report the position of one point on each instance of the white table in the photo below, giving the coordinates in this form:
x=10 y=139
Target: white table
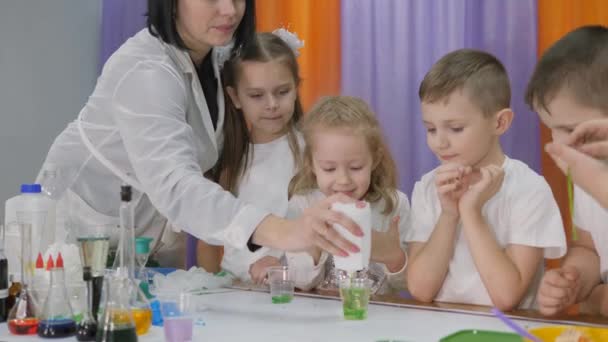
x=250 y=316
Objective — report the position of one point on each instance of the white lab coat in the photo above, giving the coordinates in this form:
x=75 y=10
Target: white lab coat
x=147 y=124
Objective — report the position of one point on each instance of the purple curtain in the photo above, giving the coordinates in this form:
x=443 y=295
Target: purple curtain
x=120 y=20
x=388 y=46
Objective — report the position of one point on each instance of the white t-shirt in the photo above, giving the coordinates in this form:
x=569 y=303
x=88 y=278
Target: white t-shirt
x=264 y=185
x=593 y=218
x=523 y=212
x=309 y=275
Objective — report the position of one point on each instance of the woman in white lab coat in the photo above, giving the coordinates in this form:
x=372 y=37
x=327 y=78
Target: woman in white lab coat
x=155 y=121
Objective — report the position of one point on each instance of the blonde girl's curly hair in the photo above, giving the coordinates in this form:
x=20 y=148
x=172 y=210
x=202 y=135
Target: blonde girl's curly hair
x=351 y=113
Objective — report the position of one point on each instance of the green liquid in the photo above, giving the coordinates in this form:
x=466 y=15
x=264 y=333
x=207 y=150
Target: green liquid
x=119 y=335
x=354 y=303
x=78 y=317
x=355 y=314
x=282 y=299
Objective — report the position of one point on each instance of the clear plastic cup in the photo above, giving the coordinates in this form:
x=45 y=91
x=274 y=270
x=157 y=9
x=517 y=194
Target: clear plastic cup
x=281 y=284
x=177 y=309
x=355 y=294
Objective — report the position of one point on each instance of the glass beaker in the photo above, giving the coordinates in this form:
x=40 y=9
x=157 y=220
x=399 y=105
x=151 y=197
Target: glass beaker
x=177 y=309
x=116 y=321
x=281 y=284
x=355 y=293
x=57 y=317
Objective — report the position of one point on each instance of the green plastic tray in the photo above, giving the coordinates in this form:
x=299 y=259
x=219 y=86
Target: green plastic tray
x=481 y=336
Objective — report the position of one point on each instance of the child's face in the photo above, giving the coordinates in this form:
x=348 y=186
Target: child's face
x=266 y=93
x=342 y=162
x=564 y=114
x=459 y=132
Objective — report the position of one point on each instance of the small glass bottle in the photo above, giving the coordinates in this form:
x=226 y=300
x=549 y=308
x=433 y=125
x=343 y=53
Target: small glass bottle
x=3 y=279
x=13 y=292
x=57 y=318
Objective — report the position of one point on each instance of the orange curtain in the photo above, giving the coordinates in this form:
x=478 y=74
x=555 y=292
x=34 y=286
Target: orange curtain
x=555 y=19
x=317 y=22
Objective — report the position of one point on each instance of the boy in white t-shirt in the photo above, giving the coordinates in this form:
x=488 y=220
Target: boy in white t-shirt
x=481 y=222
x=570 y=86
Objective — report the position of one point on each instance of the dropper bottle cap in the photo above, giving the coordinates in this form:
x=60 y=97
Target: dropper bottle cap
x=49 y=263
x=39 y=261
x=59 y=263
x=125 y=193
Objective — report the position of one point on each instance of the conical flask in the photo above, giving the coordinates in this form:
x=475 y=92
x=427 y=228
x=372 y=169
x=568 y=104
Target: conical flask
x=22 y=318
x=116 y=320
x=87 y=327
x=57 y=318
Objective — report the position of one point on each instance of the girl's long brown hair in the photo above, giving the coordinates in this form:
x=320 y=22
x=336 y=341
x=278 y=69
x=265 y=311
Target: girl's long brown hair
x=235 y=156
x=346 y=112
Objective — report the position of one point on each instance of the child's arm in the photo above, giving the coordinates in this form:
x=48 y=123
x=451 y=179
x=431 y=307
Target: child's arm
x=429 y=261
x=386 y=247
x=258 y=270
x=209 y=256
x=574 y=281
x=308 y=268
x=505 y=273
x=394 y=257
x=387 y=250
x=597 y=301
x=584 y=258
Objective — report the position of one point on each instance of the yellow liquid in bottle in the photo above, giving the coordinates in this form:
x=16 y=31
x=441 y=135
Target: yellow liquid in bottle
x=143 y=320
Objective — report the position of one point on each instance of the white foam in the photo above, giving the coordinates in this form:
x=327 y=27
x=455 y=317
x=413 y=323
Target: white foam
x=194 y=279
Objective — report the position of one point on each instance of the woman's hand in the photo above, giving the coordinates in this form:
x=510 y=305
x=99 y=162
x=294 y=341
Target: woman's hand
x=588 y=173
x=312 y=228
x=315 y=227
x=591 y=138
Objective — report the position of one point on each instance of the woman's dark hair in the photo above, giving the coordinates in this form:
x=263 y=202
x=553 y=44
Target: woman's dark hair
x=161 y=23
